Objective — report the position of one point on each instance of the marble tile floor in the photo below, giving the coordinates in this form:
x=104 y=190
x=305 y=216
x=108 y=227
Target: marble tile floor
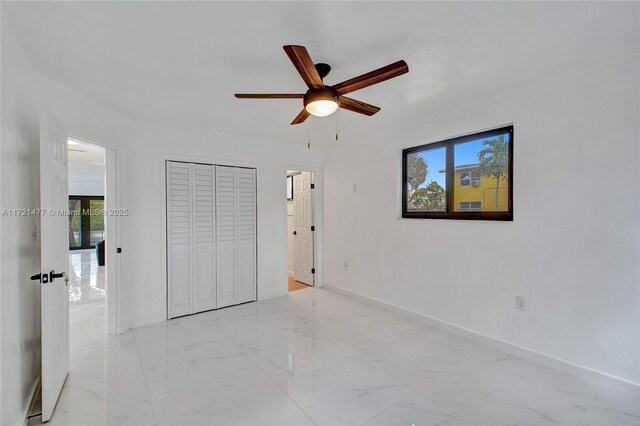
x=86 y=279
x=319 y=357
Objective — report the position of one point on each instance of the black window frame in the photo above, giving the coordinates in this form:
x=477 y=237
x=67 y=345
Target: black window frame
x=449 y=145
x=85 y=220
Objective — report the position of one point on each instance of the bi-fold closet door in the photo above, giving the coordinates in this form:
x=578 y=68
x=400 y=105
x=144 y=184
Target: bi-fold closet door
x=211 y=237
x=236 y=230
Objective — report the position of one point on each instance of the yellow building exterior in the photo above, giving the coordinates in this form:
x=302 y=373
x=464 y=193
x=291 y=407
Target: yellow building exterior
x=473 y=192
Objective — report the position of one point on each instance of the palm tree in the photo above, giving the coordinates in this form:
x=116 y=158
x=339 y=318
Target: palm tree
x=494 y=157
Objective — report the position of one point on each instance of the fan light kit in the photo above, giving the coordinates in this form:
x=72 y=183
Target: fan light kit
x=322 y=100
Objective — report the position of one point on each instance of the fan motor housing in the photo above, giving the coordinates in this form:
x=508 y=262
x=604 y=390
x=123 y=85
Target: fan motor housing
x=323 y=69
x=325 y=94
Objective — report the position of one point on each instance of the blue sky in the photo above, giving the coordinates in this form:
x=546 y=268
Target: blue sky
x=464 y=153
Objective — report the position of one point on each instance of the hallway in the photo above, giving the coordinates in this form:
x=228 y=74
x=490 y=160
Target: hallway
x=87 y=303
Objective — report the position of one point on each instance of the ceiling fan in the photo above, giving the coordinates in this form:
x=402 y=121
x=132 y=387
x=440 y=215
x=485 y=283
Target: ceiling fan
x=321 y=99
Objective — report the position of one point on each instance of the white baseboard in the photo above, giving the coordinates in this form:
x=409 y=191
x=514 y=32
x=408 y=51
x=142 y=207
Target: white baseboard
x=33 y=394
x=272 y=294
x=586 y=373
x=148 y=320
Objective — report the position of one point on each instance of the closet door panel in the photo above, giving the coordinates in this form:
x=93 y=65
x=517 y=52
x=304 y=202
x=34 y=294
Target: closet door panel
x=204 y=238
x=179 y=238
x=246 y=235
x=226 y=228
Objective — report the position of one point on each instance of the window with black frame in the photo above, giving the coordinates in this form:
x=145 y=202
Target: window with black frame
x=468 y=177
x=86 y=221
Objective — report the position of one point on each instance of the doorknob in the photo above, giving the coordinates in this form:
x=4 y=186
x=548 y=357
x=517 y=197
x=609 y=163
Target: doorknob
x=43 y=278
x=295 y=233
x=53 y=275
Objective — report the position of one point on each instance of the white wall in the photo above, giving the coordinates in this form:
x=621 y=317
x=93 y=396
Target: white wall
x=271 y=159
x=89 y=188
x=86 y=169
x=141 y=147
x=572 y=249
x=19 y=236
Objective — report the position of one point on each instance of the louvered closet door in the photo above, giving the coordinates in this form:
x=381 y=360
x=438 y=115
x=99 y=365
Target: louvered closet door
x=204 y=271
x=226 y=228
x=246 y=236
x=179 y=236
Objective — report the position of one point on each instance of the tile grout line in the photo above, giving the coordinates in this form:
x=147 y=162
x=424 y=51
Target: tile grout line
x=237 y=391
x=290 y=398
x=588 y=408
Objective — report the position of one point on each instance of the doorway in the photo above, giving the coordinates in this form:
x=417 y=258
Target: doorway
x=301 y=229
x=87 y=231
x=79 y=300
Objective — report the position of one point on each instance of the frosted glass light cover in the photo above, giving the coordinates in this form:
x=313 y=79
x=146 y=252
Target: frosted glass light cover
x=322 y=108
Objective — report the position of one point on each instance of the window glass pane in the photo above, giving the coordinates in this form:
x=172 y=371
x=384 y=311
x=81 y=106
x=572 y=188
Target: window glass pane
x=97 y=221
x=426 y=181
x=481 y=175
x=75 y=221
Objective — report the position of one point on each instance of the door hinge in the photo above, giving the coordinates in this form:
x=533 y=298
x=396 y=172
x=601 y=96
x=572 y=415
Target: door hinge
x=313 y=228
x=313 y=270
x=313 y=186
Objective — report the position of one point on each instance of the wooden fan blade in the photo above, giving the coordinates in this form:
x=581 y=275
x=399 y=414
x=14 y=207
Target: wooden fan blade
x=269 y=95
x=358 y=106
x=301 y=117
x=373 y=77
x=303 y=63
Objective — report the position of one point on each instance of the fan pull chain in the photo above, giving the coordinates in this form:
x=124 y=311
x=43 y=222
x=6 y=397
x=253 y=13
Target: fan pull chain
x=308 y=137
x=336 y=126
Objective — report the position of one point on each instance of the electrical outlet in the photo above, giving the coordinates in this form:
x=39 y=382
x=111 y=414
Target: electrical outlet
x=520 y=302
x=346 y=265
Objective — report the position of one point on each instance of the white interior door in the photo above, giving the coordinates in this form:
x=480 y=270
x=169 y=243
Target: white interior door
x=303 y=221
x=226 y=228
x=54 y=199
x=179 y=238
x=246 y=213
x=204 y=268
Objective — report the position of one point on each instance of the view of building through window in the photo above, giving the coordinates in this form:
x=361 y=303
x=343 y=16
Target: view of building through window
x=481 y=175
x=467 y=174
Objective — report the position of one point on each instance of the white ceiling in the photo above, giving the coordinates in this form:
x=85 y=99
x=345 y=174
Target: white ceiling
x=86 y=168
x=181 y=62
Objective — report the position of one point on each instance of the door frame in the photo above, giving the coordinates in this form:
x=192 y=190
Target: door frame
x=115 y=322
x=318 y=221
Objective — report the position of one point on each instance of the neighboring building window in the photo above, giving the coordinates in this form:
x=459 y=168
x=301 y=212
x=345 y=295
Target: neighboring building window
x=469 y=177
x=470 y=206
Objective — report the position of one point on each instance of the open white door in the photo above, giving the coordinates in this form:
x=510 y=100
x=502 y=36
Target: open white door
x=54 y=199
x=303 y=234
